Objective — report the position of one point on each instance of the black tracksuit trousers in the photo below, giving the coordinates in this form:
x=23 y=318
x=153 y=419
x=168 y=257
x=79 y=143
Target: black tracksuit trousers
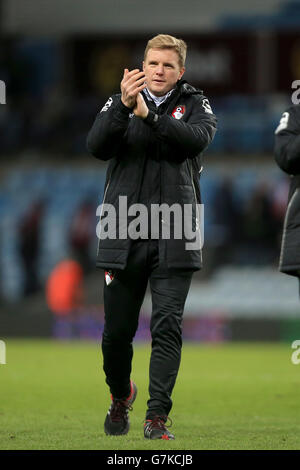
x=123 y=298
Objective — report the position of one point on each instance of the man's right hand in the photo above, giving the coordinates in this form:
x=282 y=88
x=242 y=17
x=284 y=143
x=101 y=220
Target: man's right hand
x=132 y=84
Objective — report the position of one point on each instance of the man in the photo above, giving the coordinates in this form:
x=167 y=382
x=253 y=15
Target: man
x=152 y=133
x=287 y=155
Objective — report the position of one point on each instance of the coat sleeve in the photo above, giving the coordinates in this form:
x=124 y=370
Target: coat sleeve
x=105 y=137
x=186 y=138
x=287 y=141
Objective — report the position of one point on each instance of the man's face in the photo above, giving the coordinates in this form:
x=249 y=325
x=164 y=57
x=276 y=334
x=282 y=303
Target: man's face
x=162 y=70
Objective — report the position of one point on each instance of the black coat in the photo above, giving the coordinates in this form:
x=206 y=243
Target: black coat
x=287 y=155
x=130 y=144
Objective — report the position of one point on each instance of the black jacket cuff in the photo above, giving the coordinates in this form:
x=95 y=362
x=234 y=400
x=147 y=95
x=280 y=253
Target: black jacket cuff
x=151 y=119
x=123 y=109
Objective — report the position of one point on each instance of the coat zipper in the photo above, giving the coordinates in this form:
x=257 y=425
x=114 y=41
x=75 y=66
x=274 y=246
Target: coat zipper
x=107 y=186
x=195 y=197
x=284 y=227
x=197 y=214
x=168 y=110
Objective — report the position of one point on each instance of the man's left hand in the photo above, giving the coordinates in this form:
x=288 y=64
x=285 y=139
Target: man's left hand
x=140 y=110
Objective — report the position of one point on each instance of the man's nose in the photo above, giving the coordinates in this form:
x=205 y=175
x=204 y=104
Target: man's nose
x=160 y=69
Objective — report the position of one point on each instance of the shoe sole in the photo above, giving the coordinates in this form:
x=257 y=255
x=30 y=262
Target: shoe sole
x=118 y=433
x=164 y=437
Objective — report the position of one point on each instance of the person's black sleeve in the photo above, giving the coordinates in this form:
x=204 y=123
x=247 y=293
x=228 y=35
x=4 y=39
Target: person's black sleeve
x=105 y=136
x=185 y=138
x=287 y=141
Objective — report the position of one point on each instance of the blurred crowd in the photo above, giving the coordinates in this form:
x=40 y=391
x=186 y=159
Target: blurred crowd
x=53 y=124
x=80 y=235
x=247 y=232
x=241 y=228
x=42 y=111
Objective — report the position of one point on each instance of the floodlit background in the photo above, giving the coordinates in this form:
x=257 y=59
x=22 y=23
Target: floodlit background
x=60 y=61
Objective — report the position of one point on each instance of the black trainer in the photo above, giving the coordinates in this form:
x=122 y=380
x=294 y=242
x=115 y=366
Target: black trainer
x=117 y=420
x=156 y=428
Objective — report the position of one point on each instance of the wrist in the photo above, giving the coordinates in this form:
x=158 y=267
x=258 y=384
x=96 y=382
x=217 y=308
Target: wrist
x=145 y=115
x=126 y=105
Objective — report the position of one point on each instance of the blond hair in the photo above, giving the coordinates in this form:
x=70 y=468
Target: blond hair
x=164 y=41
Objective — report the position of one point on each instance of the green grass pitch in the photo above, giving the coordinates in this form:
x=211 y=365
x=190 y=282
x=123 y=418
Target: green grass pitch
x=227 y=396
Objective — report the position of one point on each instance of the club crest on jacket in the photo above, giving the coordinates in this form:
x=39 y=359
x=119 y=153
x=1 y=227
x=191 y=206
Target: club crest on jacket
x=109 y=277
x=178 y=112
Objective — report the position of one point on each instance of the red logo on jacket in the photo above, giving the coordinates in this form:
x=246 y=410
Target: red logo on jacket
x=178 y=112
x=109 y=277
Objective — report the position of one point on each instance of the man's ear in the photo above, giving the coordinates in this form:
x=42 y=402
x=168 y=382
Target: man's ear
x=143 y=66
x=182 y=70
